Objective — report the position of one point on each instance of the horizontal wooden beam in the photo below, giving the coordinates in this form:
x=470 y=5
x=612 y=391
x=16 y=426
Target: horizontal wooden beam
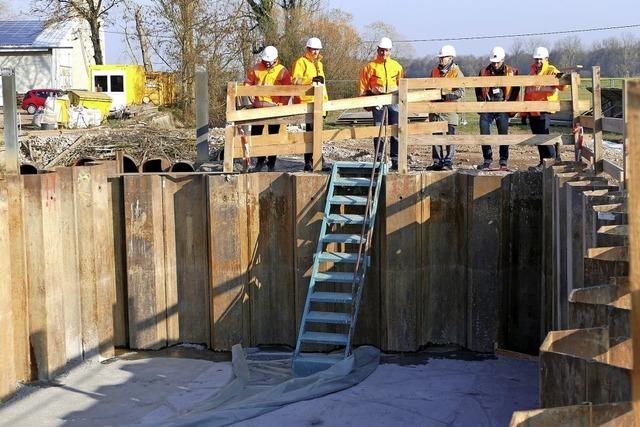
x=492 y=81
x=609 y=124
x=616 y=172
x=524 y=139
x=495 y=107
x=277 y=148
x=288 y=120
x=280 y=90
x=375 y=100
x=269 y=113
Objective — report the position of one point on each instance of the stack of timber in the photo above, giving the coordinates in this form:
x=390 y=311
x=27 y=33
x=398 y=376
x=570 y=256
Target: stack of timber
x=586 y=358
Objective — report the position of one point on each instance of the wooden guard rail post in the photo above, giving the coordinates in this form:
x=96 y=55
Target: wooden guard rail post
x=633 y=180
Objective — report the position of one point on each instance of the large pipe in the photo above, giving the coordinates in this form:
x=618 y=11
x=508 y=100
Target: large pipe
x=129 y=164
x=28 y=169
x=157 y=164
x=183 y=166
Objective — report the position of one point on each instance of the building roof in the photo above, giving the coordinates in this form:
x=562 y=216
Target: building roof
x=32 y=34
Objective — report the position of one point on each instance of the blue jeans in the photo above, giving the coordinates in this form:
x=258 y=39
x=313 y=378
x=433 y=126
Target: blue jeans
x=502 y=123
x=392 y=116
x=437 y=150
x=540 y=126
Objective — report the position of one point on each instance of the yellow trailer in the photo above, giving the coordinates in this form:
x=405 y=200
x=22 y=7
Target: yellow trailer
x=125 y=84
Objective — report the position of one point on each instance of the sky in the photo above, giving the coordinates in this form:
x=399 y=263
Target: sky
x=416 y=19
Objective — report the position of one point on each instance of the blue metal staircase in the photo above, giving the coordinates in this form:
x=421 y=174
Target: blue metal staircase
x=339 y=266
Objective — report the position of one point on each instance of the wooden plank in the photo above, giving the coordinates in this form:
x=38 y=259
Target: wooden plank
x=401 y=261
x=19 y=292
x=309 y=198
x=444 y=263
x=523 y=139
x=403 y=122
x=232 y=92
x=318 y=125
x=264 y=113
x=279 y=90
x=625 y=137
x=598 y=149
x=120 y=310
x=42 y=238
x=612 y=169
x=228 y=261
x=7 y=354
x=145 y=261
x=484 y=276
x=495 y=107
x=271 y=264
x=609 y=124
x=632 y=98
x=485 y=81
x=70 y=268
x=186 y=259
x=105 y=270
x=229 y=132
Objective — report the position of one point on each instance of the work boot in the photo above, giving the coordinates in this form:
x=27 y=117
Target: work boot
x=484 y=166
x=447 y=166
x=308 y=167
x=435 y=167
x=394 y=165
x=504 y=167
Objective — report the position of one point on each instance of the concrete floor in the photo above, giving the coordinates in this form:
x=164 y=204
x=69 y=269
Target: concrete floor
x=435 y=388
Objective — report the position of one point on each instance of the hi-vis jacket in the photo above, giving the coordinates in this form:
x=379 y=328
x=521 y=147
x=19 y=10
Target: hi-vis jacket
x=260 y=75
x=507 y=93
x=303 y=70
x=379 y=77
x=542 y=93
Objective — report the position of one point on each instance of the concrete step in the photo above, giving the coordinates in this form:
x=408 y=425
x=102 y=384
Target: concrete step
x=586 y=415
x=580 y=365
x=601 y=306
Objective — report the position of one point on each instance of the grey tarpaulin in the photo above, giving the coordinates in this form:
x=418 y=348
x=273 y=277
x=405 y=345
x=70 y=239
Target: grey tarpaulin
x=260 y=386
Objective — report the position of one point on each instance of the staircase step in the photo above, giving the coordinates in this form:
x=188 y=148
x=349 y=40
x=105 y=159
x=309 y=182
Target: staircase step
x=343 y=238
x=349 y=200
x=329 y=317
x=353 y=182
x=334 y=297
x=307 y=364
x=342 y=257
x=335 y=276
x=325 y=338
x=346 y=219
x=356 y=165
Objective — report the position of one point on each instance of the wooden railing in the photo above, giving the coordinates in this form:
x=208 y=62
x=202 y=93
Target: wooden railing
x=413 y=96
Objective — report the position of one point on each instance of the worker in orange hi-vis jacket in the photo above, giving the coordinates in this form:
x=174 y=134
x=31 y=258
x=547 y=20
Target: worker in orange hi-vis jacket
x=448 y=69
x=267 y=72
x=380 y=76
x=496 y=67
x=540 y=121
x=308 y=70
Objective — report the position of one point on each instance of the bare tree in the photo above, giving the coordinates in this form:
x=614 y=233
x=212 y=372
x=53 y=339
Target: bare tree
x=93 y=12
x=373 y=32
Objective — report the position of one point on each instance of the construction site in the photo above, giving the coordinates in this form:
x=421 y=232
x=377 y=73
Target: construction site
x=204 y=295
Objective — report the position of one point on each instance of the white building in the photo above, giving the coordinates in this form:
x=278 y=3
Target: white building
x=56 y=57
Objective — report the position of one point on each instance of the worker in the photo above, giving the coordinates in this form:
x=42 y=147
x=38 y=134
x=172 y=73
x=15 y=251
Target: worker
x=267 y=72
x=308 y=70
x=381 y=76
x=446 y=68
x=540 y=121
x=496 y=67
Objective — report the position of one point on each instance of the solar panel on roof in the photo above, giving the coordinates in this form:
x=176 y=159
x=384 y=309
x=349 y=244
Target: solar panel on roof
x=19 y=33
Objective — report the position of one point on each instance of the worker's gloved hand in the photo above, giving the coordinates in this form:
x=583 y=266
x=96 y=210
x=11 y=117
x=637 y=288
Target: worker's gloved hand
x=318 y=79
x=450 y=97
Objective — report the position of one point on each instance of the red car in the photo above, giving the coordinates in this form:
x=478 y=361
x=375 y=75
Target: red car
x=35 y=98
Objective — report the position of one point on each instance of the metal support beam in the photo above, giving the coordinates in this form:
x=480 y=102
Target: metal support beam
x=10 y=112
x=202 y=115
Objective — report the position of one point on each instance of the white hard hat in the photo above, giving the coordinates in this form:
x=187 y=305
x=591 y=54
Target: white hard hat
x=497 y=54
x=540 y=53
x=269 y=54
x=314 y=43
x=447 y=50
x=385 y=43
